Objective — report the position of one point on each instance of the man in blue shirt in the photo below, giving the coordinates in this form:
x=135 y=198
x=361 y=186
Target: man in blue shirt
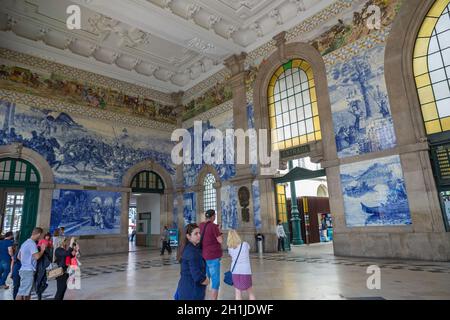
x=6 y=252
x=28 y=256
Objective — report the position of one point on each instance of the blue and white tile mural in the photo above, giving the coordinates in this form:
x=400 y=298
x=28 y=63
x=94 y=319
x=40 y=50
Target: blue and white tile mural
x=375 y=193
x=80 y=150
x=225 y=171
x=229 y=204
x=189 y=208
x=175 y=213
x=256 y=204
x=83 y=212
x=360 y=105
x=251 y=125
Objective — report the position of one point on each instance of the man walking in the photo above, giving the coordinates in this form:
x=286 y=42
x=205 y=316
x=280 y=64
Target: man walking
x=211 y=242
x=281 y=235
x=28 y=256
x=166 y=241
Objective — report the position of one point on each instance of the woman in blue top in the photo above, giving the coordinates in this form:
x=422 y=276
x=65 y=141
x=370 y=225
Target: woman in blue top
x=193 y=281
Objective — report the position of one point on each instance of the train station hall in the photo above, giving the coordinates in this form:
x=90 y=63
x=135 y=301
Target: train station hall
x=225 y=150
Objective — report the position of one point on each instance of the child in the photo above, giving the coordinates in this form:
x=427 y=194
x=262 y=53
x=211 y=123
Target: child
x=242 y=273
x=47 y=241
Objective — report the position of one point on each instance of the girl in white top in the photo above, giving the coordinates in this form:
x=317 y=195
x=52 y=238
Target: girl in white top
x=242 y=273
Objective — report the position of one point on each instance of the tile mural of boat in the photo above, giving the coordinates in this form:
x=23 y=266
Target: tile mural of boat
x=375 y=193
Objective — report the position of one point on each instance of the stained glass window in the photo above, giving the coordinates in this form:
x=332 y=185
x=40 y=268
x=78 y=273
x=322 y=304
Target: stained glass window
x=209 y=195
x=281 y=203
x=293 y=110
x=432 y=67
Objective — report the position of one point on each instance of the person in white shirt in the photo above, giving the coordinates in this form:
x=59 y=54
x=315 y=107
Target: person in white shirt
x=281 y=236
x=240 y=265
x=28 y=256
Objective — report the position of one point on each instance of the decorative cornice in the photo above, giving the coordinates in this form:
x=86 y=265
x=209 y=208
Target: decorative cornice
x=73 y=109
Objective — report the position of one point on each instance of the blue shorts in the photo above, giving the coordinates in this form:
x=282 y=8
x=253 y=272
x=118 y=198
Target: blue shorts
x=213 y=272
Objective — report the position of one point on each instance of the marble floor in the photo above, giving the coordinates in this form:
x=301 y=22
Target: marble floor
x=306 y=272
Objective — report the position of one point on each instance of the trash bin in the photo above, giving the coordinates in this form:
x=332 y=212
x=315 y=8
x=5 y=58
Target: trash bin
x=260 y=243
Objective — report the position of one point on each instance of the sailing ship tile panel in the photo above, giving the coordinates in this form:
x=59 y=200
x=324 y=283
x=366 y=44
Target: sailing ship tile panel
x=374 y=193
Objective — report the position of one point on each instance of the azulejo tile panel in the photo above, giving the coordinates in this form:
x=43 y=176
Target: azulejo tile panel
x=81 y=150
x=359 y=103
x=189 y=208
x=83 y=212
x=229 y=204
x=375 y=193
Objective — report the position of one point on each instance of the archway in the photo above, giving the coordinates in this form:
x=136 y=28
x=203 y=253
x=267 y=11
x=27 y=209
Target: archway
x=319 y=145
x=149 y=204
x=26 y=183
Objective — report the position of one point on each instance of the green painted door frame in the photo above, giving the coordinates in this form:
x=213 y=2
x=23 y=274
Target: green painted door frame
x=297 y=174
x=21 y=174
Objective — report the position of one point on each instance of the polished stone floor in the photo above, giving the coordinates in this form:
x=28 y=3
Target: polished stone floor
x=306 y=272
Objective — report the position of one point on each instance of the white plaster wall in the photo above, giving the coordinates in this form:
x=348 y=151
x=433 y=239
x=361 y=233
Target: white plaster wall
x=152 y=203
x=306 y=188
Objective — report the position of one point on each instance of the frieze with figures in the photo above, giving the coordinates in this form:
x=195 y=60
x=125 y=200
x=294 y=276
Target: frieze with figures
x=30 y=82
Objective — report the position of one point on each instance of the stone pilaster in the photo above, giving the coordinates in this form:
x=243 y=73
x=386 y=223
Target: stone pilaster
x=237 y=81
x=244 y=177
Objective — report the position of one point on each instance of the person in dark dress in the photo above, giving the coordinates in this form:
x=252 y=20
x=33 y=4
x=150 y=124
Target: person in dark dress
x=61 y=254
x=193 y=281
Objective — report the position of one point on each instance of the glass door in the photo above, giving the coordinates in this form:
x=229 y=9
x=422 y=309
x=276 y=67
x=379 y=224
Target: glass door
x=12 y=217
x=445 y=203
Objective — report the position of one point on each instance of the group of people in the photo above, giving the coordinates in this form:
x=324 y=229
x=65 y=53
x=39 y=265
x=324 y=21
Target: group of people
x=200 y=256
x=26 y=266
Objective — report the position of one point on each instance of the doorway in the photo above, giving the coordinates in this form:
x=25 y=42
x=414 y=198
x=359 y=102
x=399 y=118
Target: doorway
x=144 y=210
x=12 y=207
x=19 y=197
x=311 y=192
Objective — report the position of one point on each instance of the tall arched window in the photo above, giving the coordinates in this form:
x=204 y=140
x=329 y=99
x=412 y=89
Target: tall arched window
x=209 y=195
x=293 y=110
x=432 y=67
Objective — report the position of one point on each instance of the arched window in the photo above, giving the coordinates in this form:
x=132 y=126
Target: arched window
x=432 y=67
x=148 y=182
x=293 y=110
x=18 y=172
x=209 y=194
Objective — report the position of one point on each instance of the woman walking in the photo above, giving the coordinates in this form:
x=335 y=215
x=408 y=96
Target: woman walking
x=61 y=255
x=242 y=272
x=193 y=281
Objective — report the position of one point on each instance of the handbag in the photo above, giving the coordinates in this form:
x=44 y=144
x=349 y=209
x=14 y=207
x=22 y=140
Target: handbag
x=55 y=273
x=228 y=276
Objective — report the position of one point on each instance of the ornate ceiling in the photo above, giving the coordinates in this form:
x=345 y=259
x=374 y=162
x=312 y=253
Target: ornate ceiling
x=166 y=45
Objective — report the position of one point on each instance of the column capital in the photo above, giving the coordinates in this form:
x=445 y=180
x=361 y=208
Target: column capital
x=280 y=42
x=235 y=63
x=177 y=97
